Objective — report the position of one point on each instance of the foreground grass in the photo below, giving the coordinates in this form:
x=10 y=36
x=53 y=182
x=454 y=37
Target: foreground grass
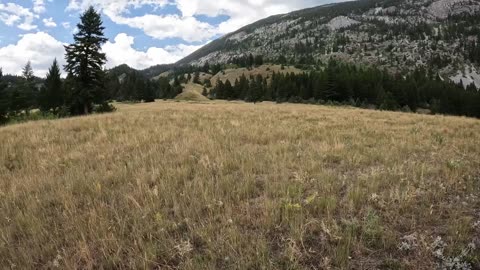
x=240 y=186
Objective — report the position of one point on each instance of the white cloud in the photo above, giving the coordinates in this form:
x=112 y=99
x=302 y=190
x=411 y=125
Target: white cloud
x=170 y=26
x=49 y=22
x=39 y=48
x=121 y=52
x=114 y=6
x=39 y=6
x=186 y=26
x=9 y=19
x=11 y=13
x=66 y=25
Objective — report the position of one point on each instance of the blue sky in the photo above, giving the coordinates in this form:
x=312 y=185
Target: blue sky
x=141 y=33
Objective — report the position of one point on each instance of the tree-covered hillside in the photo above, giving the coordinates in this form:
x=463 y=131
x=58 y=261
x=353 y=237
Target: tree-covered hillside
x=399 y=35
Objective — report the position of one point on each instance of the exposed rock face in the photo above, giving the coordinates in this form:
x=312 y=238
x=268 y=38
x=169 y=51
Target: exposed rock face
x=341 y=22
x=469 y=76
x=443 y=8
x=398 y=35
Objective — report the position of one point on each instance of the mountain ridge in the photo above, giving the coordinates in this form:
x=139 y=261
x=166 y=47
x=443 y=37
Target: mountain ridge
x=394 y=34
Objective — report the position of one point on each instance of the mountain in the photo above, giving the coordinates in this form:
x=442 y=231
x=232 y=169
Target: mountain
x=397 y=35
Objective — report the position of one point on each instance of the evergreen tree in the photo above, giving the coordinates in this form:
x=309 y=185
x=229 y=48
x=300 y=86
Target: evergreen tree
x=251 y=60
x=85 y=63
x=207 y=83
x=196 y=78
x=206 y=67
x=258 y=60
x=242 y=88
x=252 y=93
x=177 y=88
x=282 y=60
x=228 y=90
x=149 y=94
x=27 y=72
x=24 y=96
x=164 y=89
x=52 y=95
x=219 y=90
x=4 y=102
x=204 y=92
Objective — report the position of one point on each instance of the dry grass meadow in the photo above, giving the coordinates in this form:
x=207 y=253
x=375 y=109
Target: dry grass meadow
x=175 y=185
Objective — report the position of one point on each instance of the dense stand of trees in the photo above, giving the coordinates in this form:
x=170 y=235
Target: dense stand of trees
x=133 y=86
x=19 y=97
x=349 y=84
x=472 y=49
x=82 y=92
x=336 y=83
x=248 y=60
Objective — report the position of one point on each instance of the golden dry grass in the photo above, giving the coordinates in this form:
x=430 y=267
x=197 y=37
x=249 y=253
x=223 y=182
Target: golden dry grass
x=239 y=186
x=191 y=95
x=193 y=87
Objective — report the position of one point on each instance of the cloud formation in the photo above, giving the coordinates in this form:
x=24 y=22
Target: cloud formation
x=39 y=48
x=49 y=22
x=186 y=26
x=39 y=6
x=121 y=52
x=11 y=13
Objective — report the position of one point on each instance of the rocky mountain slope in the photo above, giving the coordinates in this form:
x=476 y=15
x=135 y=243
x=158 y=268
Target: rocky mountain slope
x=398 y=35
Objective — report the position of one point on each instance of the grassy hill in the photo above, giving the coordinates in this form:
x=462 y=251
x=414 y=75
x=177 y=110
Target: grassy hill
x=222 y=185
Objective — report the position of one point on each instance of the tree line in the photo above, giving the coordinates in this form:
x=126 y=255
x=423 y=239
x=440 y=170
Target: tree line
x=342 y=83
x=82 y=92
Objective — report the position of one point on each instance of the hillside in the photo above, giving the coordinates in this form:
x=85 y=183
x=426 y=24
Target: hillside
x=224 y=185
x=398 y=35
x=266 y=71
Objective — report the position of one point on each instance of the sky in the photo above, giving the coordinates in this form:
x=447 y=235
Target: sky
x=141 y=33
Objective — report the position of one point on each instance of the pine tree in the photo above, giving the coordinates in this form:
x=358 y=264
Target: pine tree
x=206 y=67
x=258 y=60
x=219 y=90
x=27 y=72
x=25 y=96
x=251 y=60
x=177 y=88
x=204 y=92
x=52 y=96
x=196 y=78
x=228 y=90
x=164 y=88
x=207 y=83
x=149 y=94
x=4 y=102
x=85 y=63
x=253 y=90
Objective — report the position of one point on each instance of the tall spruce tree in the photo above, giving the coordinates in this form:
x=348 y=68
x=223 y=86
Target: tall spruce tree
x=85 y=63
x=52 y=95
